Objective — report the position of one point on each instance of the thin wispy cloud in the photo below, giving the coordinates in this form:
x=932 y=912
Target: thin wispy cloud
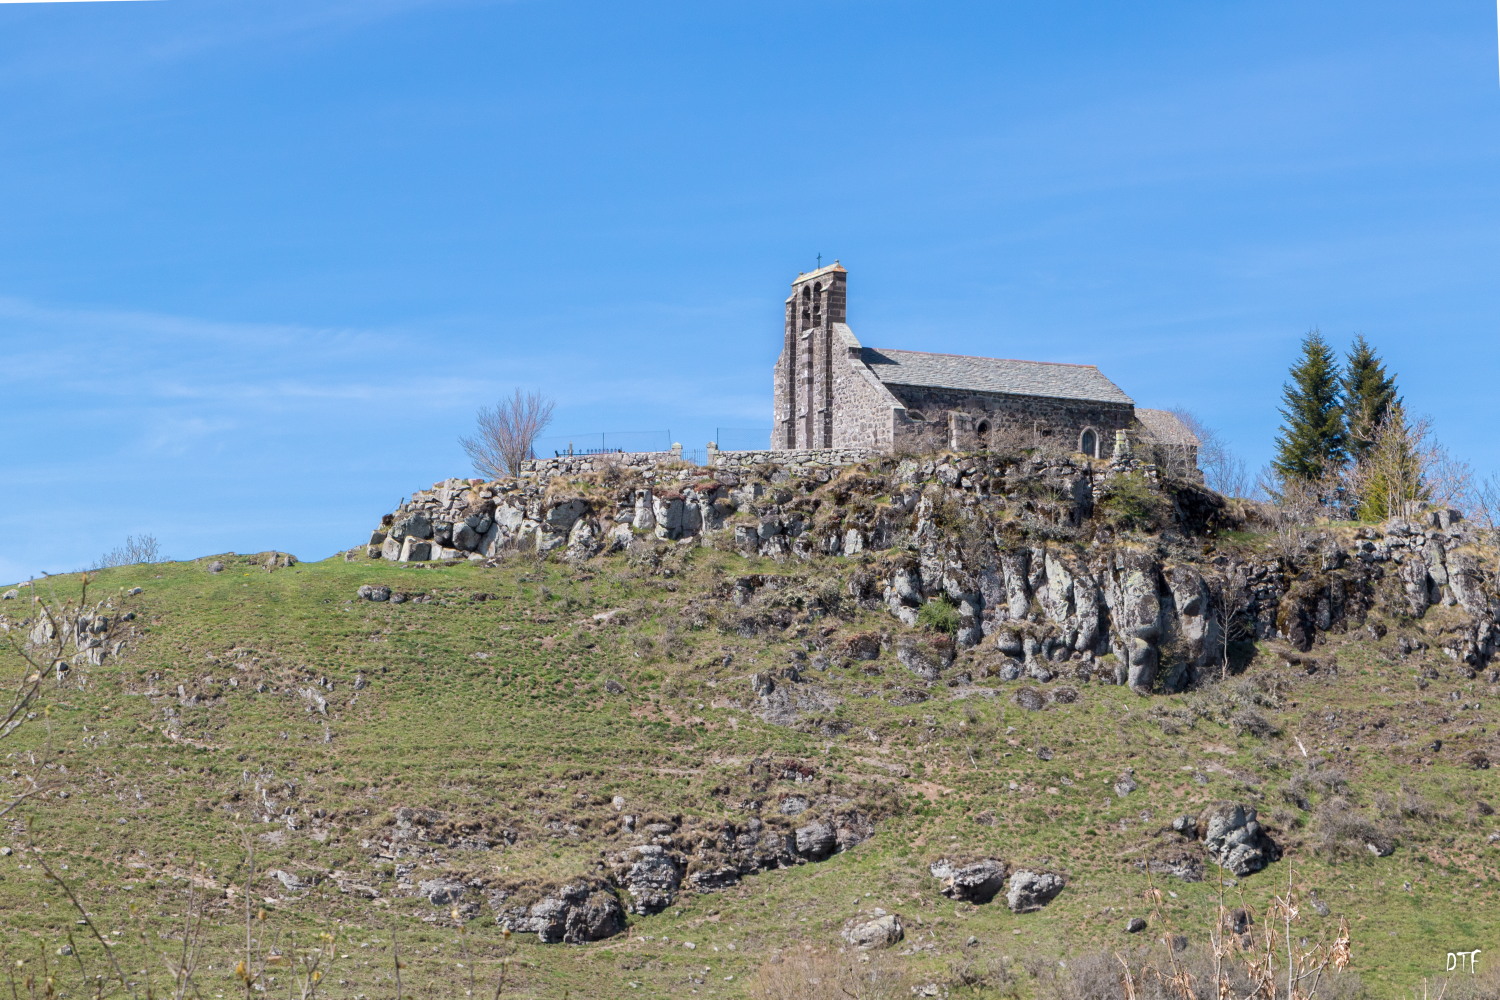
x=197 y=30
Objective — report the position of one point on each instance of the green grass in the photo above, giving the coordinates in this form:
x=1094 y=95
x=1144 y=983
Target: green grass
x=495 y=713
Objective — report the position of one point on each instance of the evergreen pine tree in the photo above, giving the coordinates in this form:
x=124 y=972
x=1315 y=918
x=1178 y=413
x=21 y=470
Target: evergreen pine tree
x=1369 y=396
x=1311 y=444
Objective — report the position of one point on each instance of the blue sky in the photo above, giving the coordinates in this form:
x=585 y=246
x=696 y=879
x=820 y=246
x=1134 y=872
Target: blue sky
x=261 y=260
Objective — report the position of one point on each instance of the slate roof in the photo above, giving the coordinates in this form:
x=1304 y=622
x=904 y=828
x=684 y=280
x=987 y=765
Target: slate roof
x=1050 y=379
x=1166 y=427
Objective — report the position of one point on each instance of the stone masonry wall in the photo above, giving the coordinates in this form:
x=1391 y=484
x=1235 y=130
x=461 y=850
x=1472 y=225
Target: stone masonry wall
x=1057 y=422
x=574 y=465
x=864 y=411
x=670 y=463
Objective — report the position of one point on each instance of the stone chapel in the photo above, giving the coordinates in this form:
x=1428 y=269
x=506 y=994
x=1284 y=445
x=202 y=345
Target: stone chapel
x=833 y=392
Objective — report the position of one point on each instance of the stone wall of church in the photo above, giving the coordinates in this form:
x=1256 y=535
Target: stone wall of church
x=1026 y=420
x=863 y=408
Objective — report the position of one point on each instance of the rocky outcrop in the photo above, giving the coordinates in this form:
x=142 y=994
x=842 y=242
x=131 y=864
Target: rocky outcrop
x=441 y=891
x=1024 y=557
x=574 y=913
x=650 y=875
x=925 y=654
x=1234 y=838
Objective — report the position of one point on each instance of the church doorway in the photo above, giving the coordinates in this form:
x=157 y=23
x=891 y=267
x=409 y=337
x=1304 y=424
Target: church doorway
x=1088 y=443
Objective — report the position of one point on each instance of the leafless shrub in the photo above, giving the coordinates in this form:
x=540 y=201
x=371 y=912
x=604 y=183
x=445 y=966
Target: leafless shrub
x=1013 y=442
x=1291 y=506
x=1277 y=961
x=506 y=433
x=1483 y=507
x=827 y=975
x=136 y=549
x=1248 y=722
x=1342 y=830
x=1483 y=984
x=922 y=438
x=1222 y=701
x=1411 y=805
x=1317 y=777
x=982 y=975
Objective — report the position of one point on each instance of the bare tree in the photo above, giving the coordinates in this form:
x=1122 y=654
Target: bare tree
x=1484 y=506
x=1228 y=613
x=136 y=549
x=1408 y=469
x=1291 y=506
x=506 y=433
x=1223 y=471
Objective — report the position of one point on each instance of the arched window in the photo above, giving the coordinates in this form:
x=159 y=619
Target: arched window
x=982 y=433
x=1088 y=442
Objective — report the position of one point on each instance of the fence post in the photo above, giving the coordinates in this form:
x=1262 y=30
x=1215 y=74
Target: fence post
x=677 y=451
x=711 y=454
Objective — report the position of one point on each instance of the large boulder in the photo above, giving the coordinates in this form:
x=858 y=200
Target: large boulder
x=560 y=517
x=583 y=540
x=416 y=526
x=470 y=533
x=1032 y=890
x=414 y=549
x=868 y=931
x=1235 y=839
x=670 y=514
x=977 y=882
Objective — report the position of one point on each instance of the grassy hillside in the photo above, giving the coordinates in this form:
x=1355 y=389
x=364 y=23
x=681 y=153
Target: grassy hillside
x=531 y=706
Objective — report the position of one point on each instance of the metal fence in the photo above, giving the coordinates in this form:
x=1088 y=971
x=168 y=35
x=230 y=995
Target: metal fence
x=742 y=438
x=617 y=442
x=601 y=443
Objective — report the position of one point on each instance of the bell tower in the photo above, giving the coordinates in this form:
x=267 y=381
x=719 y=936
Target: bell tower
x=804 y=372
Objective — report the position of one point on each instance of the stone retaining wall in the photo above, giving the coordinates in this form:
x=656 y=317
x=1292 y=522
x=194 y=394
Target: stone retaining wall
x=626 y=461
x=792 y=460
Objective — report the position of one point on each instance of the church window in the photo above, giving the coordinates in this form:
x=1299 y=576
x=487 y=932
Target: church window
x=1088 y=443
